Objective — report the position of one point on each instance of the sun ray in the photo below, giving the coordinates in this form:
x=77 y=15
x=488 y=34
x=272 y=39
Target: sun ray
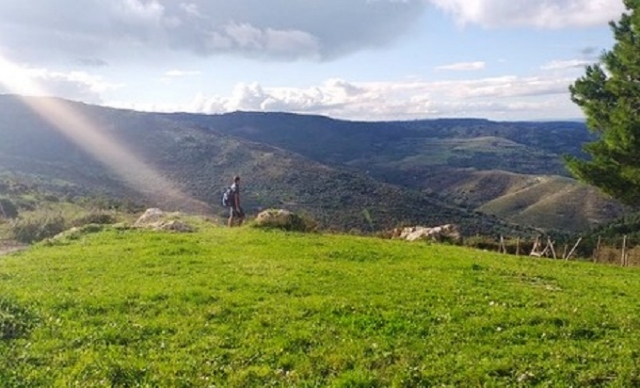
x=62 y=116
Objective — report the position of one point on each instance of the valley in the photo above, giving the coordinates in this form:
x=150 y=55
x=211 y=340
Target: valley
x=488 y=177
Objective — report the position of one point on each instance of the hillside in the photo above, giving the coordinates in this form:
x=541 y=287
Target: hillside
x=243 y=307
x=531 y=148
x=469 y=162
x=348 y=175
x=151 y=159
x=582 y=207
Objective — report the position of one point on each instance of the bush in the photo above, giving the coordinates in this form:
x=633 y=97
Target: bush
x=512 y=245
x=75 y=233
x=37 y=227
x=7 y=209
x=99 y=218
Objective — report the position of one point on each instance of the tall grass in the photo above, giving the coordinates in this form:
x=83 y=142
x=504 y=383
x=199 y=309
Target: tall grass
x=247 y=307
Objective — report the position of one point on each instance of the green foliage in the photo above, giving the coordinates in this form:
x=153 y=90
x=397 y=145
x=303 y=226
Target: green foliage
x=243 y=307
x=7 y=209
x=629 y=225
x=37 y=226
x=609 y=94
x=95 y=217
x=612 y=234
x=38 y=208
x=341 y=179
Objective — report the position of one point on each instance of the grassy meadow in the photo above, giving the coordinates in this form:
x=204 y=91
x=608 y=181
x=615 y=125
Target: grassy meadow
x=245 y=307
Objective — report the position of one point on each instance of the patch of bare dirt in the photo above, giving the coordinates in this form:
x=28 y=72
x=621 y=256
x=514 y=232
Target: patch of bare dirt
x=8 y=246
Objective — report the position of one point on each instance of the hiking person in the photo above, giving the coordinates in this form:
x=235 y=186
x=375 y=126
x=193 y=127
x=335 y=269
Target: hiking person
x=235 y=210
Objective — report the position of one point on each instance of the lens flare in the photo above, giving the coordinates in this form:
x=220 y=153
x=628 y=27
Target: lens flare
x=62 y=116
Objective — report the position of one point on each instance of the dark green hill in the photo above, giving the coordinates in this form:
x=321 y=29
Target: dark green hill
x=469 y=162
x=178 y=164
x=362 y=175
x=521 y=147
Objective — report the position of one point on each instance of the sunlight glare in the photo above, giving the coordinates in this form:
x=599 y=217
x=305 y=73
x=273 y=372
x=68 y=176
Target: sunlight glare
x=79 y=129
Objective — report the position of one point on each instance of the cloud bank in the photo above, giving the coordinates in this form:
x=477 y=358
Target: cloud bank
x=538 y=13
x=97 y=31
x=496 y=98
x=100 y=32
x=105 y=34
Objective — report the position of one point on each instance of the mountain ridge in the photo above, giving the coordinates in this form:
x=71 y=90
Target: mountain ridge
x=425 y=154
x=350 y=175
x=200 y=161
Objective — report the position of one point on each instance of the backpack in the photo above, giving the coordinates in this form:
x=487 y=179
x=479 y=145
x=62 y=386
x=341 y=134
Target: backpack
x=227 y=200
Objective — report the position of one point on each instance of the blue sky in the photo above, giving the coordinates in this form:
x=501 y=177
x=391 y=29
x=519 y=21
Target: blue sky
x=349 y=59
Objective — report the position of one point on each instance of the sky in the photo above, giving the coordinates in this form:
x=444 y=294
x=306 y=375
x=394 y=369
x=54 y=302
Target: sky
x=349 y=59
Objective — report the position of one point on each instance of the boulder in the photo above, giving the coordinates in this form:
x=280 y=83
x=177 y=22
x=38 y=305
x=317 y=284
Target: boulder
x=156 y=219
x=448 y=232
x=283 y=219
x=173 y=225
x=150 y=216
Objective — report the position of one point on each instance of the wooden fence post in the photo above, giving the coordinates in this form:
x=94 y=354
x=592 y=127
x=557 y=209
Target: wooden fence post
x=623 y=260
x=596 y=252
x=503 y=247
x=534 y=250
x=573 y=249
x=550 y=244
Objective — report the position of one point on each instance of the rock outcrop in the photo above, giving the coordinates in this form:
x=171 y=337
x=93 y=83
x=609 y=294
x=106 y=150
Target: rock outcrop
x=283 y=219
x=156 y=219
x=448 y=232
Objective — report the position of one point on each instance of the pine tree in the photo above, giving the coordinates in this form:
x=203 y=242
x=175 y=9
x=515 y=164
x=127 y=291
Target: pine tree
x=609 y=95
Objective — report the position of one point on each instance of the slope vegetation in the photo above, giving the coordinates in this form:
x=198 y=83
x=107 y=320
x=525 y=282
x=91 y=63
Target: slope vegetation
x=348 y=175
x=554 y=203
x=469 y=162
x=200 y=162
x=546 y=201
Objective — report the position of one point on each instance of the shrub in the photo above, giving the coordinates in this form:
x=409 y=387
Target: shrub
x=512 y=245
x=7 y=209
x=26 y=204
x=37 y=227
x=75 y=233
x=100 y=218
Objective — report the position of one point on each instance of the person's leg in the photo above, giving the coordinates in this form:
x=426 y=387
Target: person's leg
x=240 y=216
x=230 y=221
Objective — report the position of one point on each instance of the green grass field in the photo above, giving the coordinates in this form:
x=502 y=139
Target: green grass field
x=246 y=307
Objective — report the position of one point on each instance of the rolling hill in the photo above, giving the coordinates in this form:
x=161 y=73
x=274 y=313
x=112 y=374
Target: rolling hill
x=468 y=162
x=348 y=175
x=181 y=165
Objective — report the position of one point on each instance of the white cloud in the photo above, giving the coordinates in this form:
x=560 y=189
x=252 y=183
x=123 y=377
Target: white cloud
x=181 y=73
x=246 y=97
x=139 y=12
x=570 y=64
x=74 y=85
x=463 y=66
x=116 y=30
x=191 y=9
x=505 y=98
x=251 y=39
x=544 y=14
